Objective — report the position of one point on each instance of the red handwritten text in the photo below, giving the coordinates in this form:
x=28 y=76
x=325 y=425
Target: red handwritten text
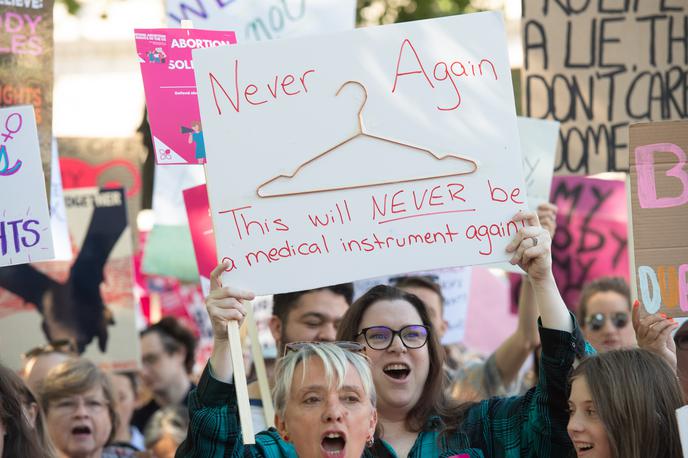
x=244 y=225
x=253 y=94
x=402 y=201
x=485 y=232
x=442 y=71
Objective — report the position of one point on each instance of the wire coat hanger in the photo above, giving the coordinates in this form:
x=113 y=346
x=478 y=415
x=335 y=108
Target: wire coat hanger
x=362 y=133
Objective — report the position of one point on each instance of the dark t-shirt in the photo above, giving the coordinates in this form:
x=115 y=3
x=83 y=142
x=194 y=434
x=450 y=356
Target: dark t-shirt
x=142 y=415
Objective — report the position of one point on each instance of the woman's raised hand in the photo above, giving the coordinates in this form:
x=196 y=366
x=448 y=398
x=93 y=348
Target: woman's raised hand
x=532 y=247
x=224 y=303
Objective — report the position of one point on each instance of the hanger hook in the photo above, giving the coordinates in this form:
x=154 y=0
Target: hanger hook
x=365 y=95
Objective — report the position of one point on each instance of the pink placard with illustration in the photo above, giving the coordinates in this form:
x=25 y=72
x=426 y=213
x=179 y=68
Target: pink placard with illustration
x=170 y=87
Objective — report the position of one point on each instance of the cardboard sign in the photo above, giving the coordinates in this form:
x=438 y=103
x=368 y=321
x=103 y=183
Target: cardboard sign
x=90 y=300
x=25 y=234
x=168 y=81
x=592 y=235
x=26 y=73
x=659 y=200
x=106 y=163
x=596 y=66
x=346 y=169
x=258 y=20
x=455 y=284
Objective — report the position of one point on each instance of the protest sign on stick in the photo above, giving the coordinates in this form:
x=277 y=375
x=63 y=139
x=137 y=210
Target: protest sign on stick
x=659 y=200
x=26 y=73
x=168 y=80
x=25 y=234
x=260 y=20
x=598 y=66
x=361 y=153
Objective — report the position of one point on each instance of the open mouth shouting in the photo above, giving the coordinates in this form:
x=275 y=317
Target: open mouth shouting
x=397 y=371
x=81 y=432
x=333 y=444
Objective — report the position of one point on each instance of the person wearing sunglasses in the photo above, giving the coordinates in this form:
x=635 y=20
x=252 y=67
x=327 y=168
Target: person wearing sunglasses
x=604 y=313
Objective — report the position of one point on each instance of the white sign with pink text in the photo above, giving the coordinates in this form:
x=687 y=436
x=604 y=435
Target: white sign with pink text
x=376 y=151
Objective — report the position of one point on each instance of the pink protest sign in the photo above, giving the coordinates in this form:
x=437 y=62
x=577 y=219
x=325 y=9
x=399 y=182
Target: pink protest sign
x=170 y=87
x=201 y=227
x=592 y=235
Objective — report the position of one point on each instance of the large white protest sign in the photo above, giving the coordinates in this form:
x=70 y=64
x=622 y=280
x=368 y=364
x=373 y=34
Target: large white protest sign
x=24 y=217
x=256 y=20
x=539 y=139
x=376 y=151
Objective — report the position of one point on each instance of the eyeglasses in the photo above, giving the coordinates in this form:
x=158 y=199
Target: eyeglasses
x=618 y=319
x=343 y=344
x=57 y=346
x=381 y=337
x=70 y=405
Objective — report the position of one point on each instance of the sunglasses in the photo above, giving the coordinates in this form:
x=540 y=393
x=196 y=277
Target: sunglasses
x=57 y=346
x=618 y=319
x=381 y=337
x=343 y=344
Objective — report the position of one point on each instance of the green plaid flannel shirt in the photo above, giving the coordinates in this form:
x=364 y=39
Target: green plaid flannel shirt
x=533 y=425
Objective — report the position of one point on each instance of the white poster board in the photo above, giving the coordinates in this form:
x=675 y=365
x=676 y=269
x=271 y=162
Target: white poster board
x=24 y=217
x=539 y=139
x=455 y=284
x=337 y=205
x=258 y=20
x=58 y=212
x=682 y=419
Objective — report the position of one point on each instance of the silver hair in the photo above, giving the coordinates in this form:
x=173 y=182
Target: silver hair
x=335 y=361
x=171 y=420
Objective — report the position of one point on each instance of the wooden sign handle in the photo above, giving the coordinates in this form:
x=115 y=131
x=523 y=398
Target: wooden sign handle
x=259 y=363
x=240 y=383
x=237 y=360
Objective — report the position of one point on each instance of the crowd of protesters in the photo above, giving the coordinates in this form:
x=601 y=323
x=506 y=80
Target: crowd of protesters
x=370 y=378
